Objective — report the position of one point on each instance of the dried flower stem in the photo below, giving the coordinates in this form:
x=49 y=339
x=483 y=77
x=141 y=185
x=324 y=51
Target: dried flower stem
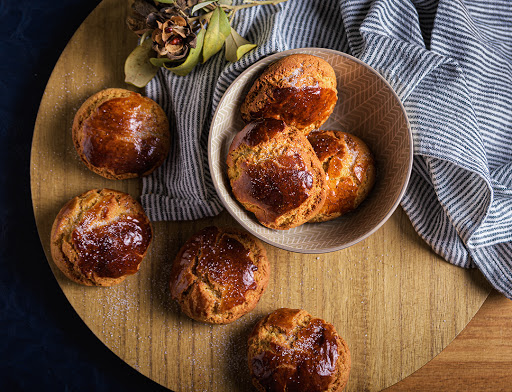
x=252 y=3
x=233 y=8
x=201 y=18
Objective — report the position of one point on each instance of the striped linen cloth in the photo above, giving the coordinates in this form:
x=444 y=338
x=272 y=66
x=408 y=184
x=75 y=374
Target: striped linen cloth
x=450 y=62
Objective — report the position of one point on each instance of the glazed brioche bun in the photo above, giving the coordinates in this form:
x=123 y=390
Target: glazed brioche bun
x=120 y=134
x=299 y=89
x=350 y=171
x=275 y=174
x=219 y=275
x=290 y=350
x=100 y=237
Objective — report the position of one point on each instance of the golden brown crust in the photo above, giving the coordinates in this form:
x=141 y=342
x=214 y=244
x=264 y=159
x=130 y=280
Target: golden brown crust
x=219 y=275
x=289 y=350
x=275 y=174
x=120 y=134
x=100 y=237
x=350 y=171
x=299 y=89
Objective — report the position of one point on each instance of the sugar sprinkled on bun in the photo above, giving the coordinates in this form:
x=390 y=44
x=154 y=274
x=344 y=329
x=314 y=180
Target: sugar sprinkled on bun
x=219 y=274
x=289 y=350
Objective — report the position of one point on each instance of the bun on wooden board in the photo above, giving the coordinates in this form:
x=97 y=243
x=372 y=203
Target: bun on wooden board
x=121 y=134
x=219 y=275
x=290 y=351
x=100 y=237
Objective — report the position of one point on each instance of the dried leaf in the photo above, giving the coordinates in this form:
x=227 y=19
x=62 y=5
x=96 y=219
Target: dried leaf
x=198 y=6
x=216 y=33
x=192 y=58
x=138 y=69
x=159 y=61
x=237 y=46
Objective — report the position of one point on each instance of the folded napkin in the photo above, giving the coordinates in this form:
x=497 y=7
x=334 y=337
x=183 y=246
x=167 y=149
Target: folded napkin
x=450 y=62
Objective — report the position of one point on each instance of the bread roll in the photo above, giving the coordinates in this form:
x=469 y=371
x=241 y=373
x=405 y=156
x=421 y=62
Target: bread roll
x=120 y=134
x=299 y=89
x=350 y=171
x=275 y=174
x=219 y=275
x=100 y=237
x=289 y=351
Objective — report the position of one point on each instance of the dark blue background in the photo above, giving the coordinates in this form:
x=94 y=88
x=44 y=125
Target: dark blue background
x=44 y=345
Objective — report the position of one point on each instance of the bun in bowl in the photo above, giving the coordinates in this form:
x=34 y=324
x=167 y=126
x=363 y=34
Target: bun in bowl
x=369 y=109
x=349 y=168
x=275 y=174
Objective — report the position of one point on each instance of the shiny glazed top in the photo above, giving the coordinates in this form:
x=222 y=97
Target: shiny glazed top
x=346 y=164
x=278 y=183
x=113 y=249
x=300 y=89
x=217 y=257
x=299 y=107
x=306 y=364
x=125 y=135
x=258 y=132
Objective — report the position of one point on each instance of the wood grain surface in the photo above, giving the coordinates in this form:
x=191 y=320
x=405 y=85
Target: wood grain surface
x=395 y=302
x=479 y=359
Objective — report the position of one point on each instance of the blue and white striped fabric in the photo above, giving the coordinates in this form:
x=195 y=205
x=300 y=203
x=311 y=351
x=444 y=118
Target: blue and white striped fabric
x=450 y=61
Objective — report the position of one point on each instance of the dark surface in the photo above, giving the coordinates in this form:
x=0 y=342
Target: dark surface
x=45 y=346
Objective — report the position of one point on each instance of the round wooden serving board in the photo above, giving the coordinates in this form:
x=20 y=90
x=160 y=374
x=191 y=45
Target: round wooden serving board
x=395 y=302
